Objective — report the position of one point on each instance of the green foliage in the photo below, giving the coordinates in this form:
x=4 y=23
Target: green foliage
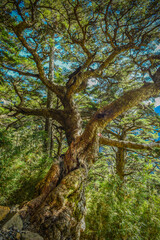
x=122 y=211
x=22 y=163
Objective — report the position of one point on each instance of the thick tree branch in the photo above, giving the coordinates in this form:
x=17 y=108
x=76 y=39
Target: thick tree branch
x=127 y=144
x=130 y=99
x=58 y=115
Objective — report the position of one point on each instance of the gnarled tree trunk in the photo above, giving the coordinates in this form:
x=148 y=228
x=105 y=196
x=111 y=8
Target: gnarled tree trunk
x=61 y=215
x=58 y=212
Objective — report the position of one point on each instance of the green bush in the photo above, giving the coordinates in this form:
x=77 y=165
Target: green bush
x=22 y=165
x=128 y=211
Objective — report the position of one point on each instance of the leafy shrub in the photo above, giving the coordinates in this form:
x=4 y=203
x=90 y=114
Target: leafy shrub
x=128 y=211
x=22 y=165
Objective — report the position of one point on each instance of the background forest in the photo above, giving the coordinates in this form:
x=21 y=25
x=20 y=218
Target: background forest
x=122 y=187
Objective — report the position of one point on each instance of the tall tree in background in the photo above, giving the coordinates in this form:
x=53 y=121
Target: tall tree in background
x=111 y=42
x=48 y=144
x=132 y=131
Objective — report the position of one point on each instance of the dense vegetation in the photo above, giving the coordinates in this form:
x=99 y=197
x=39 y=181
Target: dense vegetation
x=79 y=80
x=116 y=209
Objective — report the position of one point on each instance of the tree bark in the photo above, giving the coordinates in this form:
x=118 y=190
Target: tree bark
x=48 y=121
x=120 y=163
x=128 y=144
x=48 y=137
x=61 y=216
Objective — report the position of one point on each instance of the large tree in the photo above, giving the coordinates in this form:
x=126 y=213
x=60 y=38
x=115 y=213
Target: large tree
x=110 y=42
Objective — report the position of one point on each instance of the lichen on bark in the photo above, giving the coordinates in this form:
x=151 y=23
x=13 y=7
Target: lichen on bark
x=61 y=214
